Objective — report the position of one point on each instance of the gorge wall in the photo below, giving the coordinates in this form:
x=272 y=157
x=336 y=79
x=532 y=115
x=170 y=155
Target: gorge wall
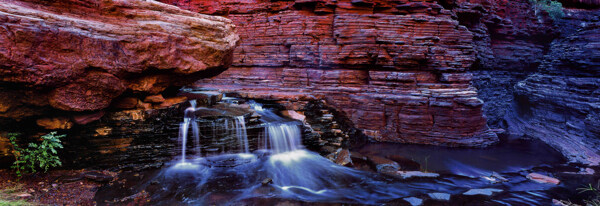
x=560 y=102
x=415 y=71
x=397 y=69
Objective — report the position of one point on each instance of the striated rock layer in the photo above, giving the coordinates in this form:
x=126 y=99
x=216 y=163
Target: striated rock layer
x=537 y=76
x=397 y=69
x=560 y=103
x=80 y=55
x=510 y=38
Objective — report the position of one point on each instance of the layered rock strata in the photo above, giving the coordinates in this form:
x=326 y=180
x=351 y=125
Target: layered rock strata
x=396 y=69
x=80 y=55
x=138 y=138
x=560 y=103
x=510 y=38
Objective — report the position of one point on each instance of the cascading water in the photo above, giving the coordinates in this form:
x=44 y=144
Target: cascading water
x=241 y=133
x=283 y=137
x=189 y=119
x=294 y=172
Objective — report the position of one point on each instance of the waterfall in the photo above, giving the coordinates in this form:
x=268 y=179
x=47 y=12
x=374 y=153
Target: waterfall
x=281 y=135
x=241 y=134
x=189 y=118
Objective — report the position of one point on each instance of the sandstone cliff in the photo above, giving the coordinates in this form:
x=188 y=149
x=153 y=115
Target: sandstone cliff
x=397 y=69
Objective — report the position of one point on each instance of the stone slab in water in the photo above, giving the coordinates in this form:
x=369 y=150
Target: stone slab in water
x=485 y=192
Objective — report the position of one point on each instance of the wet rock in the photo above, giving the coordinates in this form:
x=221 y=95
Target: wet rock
x=98 y=176
x=495 y=178
x=556 y=202
x=293 y=115
x=203 y=97
x=484 y=192
x=154 y=99
x=172 y=101
x=582 y=171
x=267 y=181
x=405 y=163
x=356 y=156
x=414 y=201
x=539 y=178
x=55 y=123
x=439 y=196
x=382 y=165
x=67 y=179
x=343 y=158
x=415 y=174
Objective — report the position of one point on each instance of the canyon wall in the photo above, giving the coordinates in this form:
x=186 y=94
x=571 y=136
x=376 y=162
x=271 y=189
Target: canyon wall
x=560 y=103
x=415 y=71
x=396 y=69
x=541 y=76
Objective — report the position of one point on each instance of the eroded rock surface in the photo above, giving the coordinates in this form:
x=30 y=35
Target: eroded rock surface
x=560 y=103
x=397 y=69
x=79 y=55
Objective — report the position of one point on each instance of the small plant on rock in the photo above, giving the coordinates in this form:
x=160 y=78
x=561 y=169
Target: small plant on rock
x=595 y=199
x=37 y=156
x=554 y=8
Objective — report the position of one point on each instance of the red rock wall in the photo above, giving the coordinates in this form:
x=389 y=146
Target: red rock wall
x=397 y=69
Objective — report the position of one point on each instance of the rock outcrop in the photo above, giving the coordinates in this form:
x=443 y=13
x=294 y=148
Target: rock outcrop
x=510 y=38
x=396 y=69
x=560 y=103
x=80 y=55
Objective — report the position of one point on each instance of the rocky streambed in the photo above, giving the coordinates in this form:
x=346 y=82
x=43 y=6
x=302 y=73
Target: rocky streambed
x=138 y=154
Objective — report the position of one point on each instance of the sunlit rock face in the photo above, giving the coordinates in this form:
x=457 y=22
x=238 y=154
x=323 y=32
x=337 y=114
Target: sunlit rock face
x=397 y=69
x=79 y=55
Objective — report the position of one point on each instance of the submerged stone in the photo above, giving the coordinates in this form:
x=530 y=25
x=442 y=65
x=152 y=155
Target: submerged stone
x=439 y=196
x=414 y=201
x=485 y=192
x=416 y=174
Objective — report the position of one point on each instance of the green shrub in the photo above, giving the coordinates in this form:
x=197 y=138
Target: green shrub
x=554 y=8
x=36 y=156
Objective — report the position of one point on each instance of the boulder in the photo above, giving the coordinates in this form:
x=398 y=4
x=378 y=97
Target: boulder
x=80 y=55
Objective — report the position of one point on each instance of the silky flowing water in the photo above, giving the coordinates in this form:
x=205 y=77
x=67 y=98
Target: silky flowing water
x=282 y=170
